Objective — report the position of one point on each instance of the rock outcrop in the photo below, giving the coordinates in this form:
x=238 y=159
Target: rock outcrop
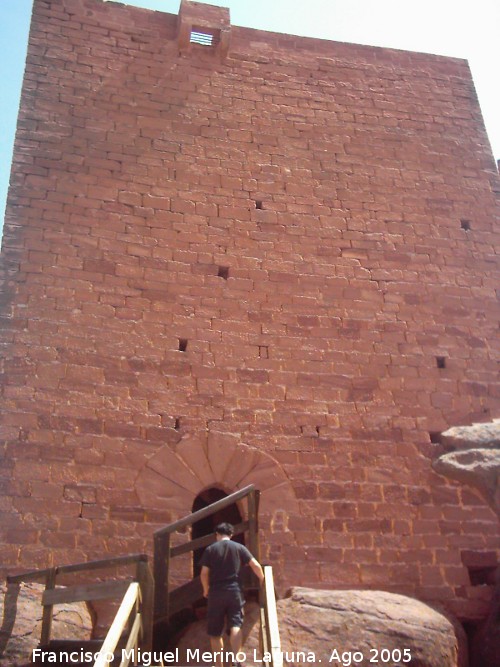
x=477 y=436
x=21 y=614
x=471 y=455
x=321 y=625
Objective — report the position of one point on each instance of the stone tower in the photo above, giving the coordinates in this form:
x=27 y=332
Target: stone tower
x=234 y=257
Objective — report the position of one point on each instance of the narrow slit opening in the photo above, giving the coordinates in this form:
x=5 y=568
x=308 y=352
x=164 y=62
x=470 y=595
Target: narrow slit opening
x=223 y=272
x=441 y=362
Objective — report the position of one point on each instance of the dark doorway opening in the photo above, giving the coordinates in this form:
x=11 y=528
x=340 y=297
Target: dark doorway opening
x=206 y=526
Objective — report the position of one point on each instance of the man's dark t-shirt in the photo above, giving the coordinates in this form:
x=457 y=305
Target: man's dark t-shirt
x=224 y=560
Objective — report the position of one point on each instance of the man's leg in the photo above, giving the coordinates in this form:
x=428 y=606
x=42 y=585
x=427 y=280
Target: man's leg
x=217 y=646
x=235 y=618
x=235 y=639
x=215 y=627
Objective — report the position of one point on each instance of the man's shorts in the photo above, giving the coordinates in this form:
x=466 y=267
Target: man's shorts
x=224 y=605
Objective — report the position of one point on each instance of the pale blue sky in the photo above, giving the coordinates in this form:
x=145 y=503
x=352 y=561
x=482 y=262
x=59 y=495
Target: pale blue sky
x=462 y=28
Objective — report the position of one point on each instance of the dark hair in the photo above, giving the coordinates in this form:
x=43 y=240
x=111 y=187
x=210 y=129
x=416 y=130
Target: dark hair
x=225 y=529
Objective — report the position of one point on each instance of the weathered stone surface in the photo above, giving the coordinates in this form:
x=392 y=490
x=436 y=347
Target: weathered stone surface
x=473 y=458
x=478 y=467
x=476 y=436
x=21 y=613
x=318 y=622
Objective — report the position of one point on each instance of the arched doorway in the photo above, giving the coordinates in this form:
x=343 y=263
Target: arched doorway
x=207 y=526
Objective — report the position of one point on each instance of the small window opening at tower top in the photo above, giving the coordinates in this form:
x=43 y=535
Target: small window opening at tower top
x=203 y=38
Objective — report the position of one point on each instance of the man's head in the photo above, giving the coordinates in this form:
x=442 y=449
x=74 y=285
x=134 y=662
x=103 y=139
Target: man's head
x=224 y=530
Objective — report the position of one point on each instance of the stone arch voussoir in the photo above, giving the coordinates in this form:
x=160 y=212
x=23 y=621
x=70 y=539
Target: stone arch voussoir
x=172 y=478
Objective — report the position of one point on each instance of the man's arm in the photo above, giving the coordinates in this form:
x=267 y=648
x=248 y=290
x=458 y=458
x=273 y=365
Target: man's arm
x=204 y=575
x=257 y=569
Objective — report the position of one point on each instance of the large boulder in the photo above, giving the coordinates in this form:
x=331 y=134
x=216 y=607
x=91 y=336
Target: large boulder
x=479 y=468
x=359 y=628
x=21 y=614
x=481 y=436
x=472 y=456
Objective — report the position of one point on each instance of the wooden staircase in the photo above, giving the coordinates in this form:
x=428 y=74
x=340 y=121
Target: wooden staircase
x=144 y=605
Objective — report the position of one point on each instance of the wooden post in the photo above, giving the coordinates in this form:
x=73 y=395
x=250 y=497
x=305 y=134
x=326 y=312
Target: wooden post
x=161 y=574
x=253 y=524
x=146 y=583
x=119 y=622
x=271 y=618
x=264 y=645
x=168 y=555
x=50 y=583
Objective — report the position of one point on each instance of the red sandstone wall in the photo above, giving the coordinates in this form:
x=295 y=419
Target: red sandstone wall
x=298 y=214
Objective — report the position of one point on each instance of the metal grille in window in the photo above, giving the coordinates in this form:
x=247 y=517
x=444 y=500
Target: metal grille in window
x=203 y=38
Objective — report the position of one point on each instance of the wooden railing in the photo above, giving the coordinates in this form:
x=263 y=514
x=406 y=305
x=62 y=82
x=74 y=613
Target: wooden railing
x=269 y=630
x=94 y=591
x=149 y=602
x=164 y=552
x=127 y=614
